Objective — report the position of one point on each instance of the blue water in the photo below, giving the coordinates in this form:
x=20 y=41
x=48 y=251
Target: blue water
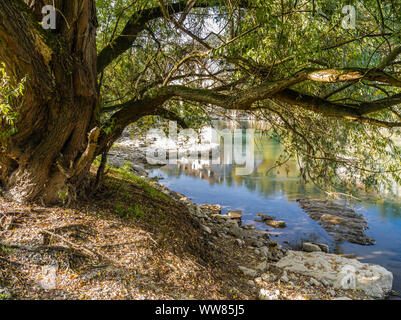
x=275 y=194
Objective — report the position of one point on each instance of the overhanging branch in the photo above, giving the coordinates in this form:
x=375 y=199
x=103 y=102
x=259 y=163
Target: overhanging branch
x=136 y=24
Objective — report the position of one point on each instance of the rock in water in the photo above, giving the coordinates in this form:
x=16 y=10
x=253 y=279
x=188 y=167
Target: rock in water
x=310 y=247
x=276 y=223
x=315 y=247
x=265 y=217
x=339 y=272
x=343 y=223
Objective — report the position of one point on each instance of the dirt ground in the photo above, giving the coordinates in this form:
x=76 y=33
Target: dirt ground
x=127 y=241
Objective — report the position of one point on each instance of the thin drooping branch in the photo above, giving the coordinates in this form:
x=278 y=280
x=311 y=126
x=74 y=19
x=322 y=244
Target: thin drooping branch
x=136 y=24
x=388 y=60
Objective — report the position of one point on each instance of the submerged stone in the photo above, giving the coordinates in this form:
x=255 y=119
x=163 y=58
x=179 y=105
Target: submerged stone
x=341 y=222
x=276 y=223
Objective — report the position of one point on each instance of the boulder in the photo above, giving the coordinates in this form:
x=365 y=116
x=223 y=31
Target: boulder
x=236 y=232
x=248 y=227
x=220 y=217
x=339 y=272
x=240 y=242
x=265 y=251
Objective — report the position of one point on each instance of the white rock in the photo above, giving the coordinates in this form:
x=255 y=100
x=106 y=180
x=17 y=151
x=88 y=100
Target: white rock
x=340 y=272
x=269 y=294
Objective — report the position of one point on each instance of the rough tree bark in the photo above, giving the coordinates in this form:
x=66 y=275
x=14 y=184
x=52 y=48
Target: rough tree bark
x=57 y=133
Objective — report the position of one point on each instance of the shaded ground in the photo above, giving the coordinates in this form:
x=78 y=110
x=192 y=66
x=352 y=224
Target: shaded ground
x=129 y=242
x=132 y=241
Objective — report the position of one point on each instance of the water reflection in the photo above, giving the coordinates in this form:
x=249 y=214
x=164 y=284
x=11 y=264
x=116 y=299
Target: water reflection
x=272 y=190
x=267 y=178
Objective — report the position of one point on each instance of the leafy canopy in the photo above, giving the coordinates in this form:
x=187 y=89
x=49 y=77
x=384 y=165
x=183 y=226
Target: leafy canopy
x=341 y=119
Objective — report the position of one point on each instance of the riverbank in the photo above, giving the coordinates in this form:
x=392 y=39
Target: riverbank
x=135 y=239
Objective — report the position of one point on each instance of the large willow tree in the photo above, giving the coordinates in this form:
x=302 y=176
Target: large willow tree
x=331 y=93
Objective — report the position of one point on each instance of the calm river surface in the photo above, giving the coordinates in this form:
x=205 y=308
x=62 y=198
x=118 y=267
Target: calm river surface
x=274 y=192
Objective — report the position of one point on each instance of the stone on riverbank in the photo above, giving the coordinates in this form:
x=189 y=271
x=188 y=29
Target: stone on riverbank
x=211 y=208
x=235 y=215
x=339 y=272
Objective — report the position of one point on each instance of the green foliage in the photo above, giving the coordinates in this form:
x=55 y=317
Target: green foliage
x=5 y=296
x=125 y=173
x=136 y=211
x=6 y=250
x=288 y=36
x=63 y=195
x=9 y=94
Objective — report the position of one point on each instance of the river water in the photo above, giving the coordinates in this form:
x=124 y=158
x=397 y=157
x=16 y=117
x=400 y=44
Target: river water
x=274 y=192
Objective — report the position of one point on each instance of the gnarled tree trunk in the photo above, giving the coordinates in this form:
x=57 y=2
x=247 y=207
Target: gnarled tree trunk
x=57 y=134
